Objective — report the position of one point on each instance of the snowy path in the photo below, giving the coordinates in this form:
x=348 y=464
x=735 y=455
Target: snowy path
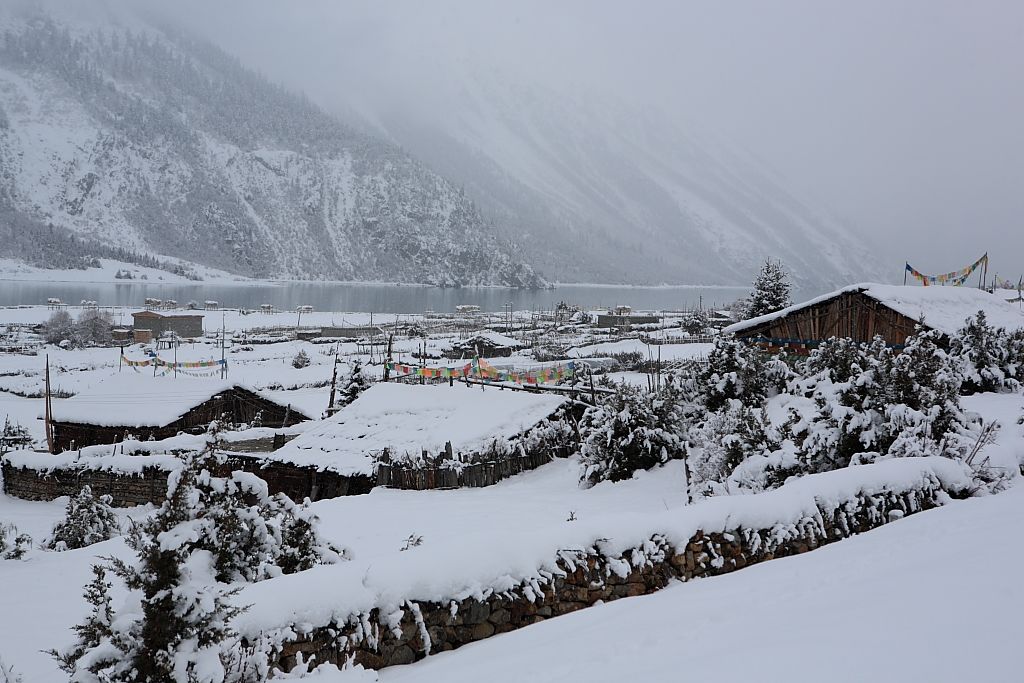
x=934 y=597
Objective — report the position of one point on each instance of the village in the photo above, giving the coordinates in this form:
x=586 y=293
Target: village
x=618 y=451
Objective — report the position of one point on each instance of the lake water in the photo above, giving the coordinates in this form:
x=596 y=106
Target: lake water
x=366 y=297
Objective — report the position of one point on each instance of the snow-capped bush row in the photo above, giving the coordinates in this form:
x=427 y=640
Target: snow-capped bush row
x=745 y=422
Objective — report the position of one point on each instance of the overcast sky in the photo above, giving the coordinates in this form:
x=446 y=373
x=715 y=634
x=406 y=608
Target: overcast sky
x=903 y=118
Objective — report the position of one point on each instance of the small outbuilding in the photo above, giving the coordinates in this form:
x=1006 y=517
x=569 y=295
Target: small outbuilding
x=484 y=345
x=863 y=311
x=149 y=325
x=395 y=424
x=146 y=407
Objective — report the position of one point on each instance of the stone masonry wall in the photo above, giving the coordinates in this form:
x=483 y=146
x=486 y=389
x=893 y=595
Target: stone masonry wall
x=126 y=489
x=379 y=639
x=150 y=484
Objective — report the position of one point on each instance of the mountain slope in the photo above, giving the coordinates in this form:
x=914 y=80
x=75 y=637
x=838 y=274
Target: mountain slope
x=634 y=195
x=156 y=143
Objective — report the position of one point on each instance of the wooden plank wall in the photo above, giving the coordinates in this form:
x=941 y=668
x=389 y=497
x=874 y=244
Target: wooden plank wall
x=851 y=314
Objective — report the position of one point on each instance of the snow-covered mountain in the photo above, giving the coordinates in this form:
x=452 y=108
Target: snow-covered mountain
x=598 y=189
x=150 y=141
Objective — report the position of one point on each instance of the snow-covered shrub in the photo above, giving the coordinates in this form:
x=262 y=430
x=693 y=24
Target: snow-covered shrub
x=984 y=355
x=14 y=436
x=87 y=519
x=723 y=442
x=695 y=322
x=555 y=437
x=175 y=626
x=872 y=400
x=13 y=546
x=300 y=360
x=770 y=292
x=632 y=430
x=60 y=327
x=353 y=383
x=738 y=371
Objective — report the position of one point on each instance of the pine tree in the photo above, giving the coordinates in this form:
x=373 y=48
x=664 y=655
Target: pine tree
x=771 y=290
x=633 y=430
x=353 y=383
x=87 y=519
x=300 y=360
x=981 y=352
x=734 y=371
x=95 y=630
x=13 y=545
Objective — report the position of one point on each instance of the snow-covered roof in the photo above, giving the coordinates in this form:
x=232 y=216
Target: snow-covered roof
x=410 y=418
x=492 y=338
x=169 y=314
x=942 y=308
x=131 y=399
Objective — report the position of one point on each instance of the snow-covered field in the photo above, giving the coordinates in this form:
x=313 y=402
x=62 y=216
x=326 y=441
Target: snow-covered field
x=934 y=597
x=921 y=599
x=11 y=269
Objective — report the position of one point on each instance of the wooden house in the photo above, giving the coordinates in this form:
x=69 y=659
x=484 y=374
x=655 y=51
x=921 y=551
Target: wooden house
x=149 y=325
x=147 y=407
x=863 y=311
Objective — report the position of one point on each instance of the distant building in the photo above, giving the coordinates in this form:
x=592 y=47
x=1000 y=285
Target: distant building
x=484 y=345
x=150 y=325
x=622 y=317
x=863 y=311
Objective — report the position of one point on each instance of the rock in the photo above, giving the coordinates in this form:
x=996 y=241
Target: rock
x=481 y=631
x=403 y=654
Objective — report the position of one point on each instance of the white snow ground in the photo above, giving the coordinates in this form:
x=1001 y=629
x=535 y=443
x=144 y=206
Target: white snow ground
x=933 y=597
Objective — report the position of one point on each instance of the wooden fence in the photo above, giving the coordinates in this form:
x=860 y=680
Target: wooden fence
x=468 y=476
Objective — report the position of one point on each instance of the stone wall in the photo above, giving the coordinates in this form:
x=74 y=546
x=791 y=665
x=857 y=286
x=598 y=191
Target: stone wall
x=387 y=637
x=149 y=485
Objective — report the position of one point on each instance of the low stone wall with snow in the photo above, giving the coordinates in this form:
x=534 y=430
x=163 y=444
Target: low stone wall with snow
x=139 y=479
x=128 y=479
x=713 y=540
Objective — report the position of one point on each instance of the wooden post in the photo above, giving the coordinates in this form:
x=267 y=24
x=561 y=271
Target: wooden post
x=334 y=383
x=48 y=410
x=223 y=341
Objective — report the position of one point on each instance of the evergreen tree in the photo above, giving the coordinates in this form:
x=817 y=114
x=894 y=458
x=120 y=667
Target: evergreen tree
x=771 y=290
x=722 y=442
x=981 y=351
x=87 y=519
x=13 y=545
x=209 y=531
x=300 y=360
x=93 y=632
x=735 y=371
x=353 y=383
x=632 y=430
